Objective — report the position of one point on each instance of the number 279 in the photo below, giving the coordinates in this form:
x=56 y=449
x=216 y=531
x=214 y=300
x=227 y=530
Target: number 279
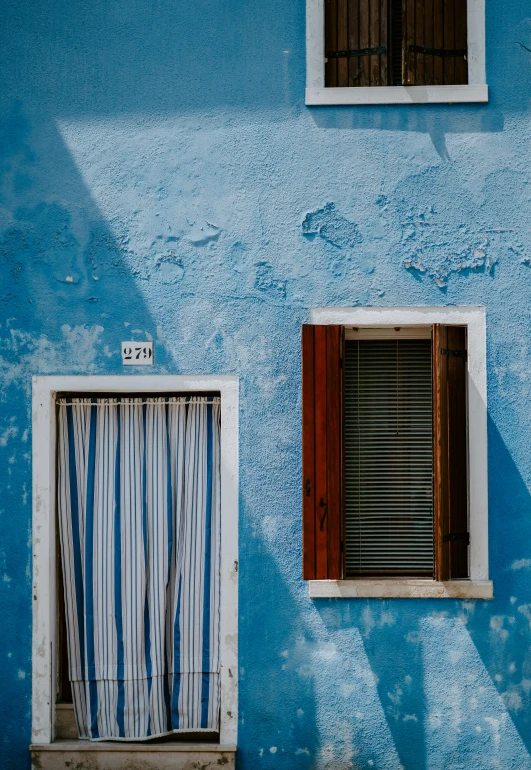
x=136 y=353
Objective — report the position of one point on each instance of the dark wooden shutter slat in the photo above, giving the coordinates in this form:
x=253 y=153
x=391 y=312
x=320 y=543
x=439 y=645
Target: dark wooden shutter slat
x=450 y=452
x=395 y=37
x=321 y=479
x=308 y=452
x=384 y=63
x=334 y=427
x=428 y=40
x=409 y=43
x=438 y=41
x=374 y=42
x=420 y=41
x=457 y=440
x=449 y=41
x=354 y=62
x=342 y=42
x=322 y=451
x=365 y=15
x=461 y=64
x=330 y=42
x=440 y=453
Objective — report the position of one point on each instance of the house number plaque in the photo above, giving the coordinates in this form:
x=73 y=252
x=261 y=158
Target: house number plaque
x=137 y=353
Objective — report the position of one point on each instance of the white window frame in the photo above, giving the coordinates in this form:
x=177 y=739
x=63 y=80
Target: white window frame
x=317 y=94
x=478 y=586
x=44 y=645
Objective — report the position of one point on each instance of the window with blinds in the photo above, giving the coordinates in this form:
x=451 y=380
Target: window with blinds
x=384 y=452
x=388 y=457
x=395 y=42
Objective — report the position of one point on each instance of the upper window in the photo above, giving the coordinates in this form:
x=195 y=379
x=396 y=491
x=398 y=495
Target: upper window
x=385 y=468
x=395 y=46
x=395 y=43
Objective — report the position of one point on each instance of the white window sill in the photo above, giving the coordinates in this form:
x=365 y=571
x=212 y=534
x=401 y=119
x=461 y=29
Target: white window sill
x=401 y=588
x=397 y=95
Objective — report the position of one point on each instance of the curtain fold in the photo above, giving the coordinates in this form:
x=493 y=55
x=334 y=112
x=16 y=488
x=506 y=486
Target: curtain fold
x=139 y=519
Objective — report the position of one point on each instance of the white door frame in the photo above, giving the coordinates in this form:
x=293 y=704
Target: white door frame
x=44 y=646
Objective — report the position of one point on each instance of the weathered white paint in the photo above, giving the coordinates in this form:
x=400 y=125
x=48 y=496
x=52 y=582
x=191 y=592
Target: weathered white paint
x=315 y=48
x=401 y=589
x=396 y=95
x=474 y=318
x=44 y=661
x=477 y=71
x=317 y=94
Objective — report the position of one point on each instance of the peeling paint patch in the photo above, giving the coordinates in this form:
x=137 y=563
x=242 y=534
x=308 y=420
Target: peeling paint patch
x=331 y=226
x=203 y=235
x=464 y=260
x=79 y=345
x=496 y=625
x=170 y=267
x=512 y=699
x=9 y=433
x=237 y=255
x=267 y=283
x=521 y=563
x=525 y=609
x=456 y=238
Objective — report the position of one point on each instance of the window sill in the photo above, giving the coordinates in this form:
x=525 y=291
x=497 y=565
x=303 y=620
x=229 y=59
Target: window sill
x=400 y=588
x=65 y=754
x=397 y=95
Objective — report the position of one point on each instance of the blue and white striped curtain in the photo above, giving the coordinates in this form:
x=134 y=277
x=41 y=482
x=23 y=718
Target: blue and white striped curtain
x=139 y=515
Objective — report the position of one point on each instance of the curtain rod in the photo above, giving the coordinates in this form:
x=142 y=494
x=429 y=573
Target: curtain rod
x=139 y=401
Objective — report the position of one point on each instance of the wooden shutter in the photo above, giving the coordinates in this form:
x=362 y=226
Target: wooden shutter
x=435 y=42
x=450 y=451
x=356 y=43
x=322 y=451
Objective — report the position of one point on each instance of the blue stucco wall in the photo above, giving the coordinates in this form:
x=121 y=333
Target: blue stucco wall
x=162 y=177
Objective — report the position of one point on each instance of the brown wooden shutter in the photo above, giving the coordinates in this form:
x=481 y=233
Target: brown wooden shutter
x=450 y=452
x=435 y=42
x=356 y=43
x=322 y=452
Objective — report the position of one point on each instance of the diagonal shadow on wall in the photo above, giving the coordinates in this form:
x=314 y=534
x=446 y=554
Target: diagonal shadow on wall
x=453 y=678
x=66 y=295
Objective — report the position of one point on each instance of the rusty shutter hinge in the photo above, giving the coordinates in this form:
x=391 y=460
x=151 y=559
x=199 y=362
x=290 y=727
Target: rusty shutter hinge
x=354 y=52
x=438 y=51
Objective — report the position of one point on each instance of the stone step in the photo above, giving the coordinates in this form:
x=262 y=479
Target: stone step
x=66 y=754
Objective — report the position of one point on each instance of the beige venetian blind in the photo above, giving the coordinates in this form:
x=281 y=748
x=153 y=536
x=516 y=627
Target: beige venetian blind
x=388 y=461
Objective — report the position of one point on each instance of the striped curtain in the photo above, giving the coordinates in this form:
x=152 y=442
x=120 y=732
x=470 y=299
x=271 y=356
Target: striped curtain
x=139 y=516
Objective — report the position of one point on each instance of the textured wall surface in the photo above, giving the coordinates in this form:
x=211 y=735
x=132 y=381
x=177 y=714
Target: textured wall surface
x=161 y=177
